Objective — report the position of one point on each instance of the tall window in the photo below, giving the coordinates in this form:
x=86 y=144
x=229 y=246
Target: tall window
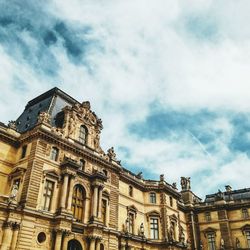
x=83 y=134
x=54 y=154
x=78 y=202
x=245 y=214
x=154 y=228
x=24 y=150
x=171 y=201
x=131 y=220
x=248 y=238
x=104 y=210
x=47 y=195
x=130 y=191
x=207 y=216
x=152 y=197
x=211 y=241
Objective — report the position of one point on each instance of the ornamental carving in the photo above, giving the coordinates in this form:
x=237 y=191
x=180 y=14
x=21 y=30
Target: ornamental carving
x=185 y=183
x=44 y=117
x=12 y=125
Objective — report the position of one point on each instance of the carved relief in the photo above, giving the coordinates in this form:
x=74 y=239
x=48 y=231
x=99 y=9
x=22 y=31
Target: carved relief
x=44 y=117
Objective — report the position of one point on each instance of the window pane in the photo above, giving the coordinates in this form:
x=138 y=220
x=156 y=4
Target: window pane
x=78 y=203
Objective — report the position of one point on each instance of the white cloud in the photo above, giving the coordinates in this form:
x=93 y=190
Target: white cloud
x=149 y=55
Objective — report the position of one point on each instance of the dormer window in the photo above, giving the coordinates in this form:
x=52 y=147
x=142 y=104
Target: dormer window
x=83 y=134
x=54 y=153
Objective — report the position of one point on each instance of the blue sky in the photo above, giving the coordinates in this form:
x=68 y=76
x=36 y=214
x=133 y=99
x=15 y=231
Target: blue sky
x=170 y=79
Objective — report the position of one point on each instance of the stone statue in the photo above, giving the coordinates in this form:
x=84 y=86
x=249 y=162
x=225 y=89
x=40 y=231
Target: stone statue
x=162 y=177
x=12 y=124
x=222 y=244
x=111 y=154
x=238 y=245
x=185 y=183
x=13 y=193
x=72 y=125
x=174 y=185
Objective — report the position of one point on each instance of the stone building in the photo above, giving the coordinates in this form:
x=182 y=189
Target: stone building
x=59 y=190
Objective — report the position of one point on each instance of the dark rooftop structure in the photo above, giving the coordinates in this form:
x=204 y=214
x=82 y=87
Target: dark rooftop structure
x=52 y=101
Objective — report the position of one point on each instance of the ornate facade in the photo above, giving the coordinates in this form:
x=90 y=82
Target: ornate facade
x=59 y=190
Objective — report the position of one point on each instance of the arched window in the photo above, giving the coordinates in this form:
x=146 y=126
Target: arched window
x=74 y=245
x=83 y=134
x=54 y=153
x=101 y=246
x=78 y=201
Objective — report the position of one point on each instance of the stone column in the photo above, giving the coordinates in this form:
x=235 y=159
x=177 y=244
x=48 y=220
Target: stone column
x=58 y=242
x=100 y=203
x=65 y=240
x=92 y=244
x=7 y=235
x=94 y=202
x=16 y=228
x=71 y=188
x=64 y=190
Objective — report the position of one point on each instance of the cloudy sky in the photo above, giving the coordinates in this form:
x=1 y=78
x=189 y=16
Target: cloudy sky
x=170 y=79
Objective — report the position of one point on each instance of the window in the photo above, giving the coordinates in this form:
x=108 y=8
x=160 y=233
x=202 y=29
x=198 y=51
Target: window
x=24 y=150
x=154 y=228
x=245 y=214
x=41 y=237
x=131 y=220
x=83 y=134
x=47 y=195
x=54 y=154
x=248 y=238
x=78 y=202
x=130 y=191
x=207 y=216
x=152 y=197
x=104 y=210
x=105 y=172
x=171 y=201
x=82 y=164
x=211 y=241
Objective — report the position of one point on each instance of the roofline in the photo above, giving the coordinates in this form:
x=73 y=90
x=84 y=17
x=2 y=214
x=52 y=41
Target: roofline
x=51 y=92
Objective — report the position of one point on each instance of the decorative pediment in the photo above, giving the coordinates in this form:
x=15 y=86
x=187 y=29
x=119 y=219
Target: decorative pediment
x=245 y=228
x=51 y=173
x=132 y=209
x=17 y=171
x=153 y=213
x=209 y=230
x=173 y=217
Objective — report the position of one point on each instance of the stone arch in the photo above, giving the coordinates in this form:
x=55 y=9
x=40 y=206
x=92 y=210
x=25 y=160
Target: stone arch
x=74 y=244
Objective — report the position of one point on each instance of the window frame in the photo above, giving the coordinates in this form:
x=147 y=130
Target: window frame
x=54 y=153
x=154 y=228
x=83 y=134
x=245 y=214
x=130 y=191
x=208 y=216
x=24 y=151
x=78 y=203
x=152 y=197
x=211 y=241
x=46 y=196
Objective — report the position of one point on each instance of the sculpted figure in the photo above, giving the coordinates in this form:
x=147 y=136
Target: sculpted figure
x=111 y=154
x=44 y=117
x=185 y=183
x=238 y=243
x=72 y=125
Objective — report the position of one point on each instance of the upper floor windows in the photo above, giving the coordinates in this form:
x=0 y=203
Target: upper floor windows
x=130 y=191
x=83 y=132
x=47 y=195
x=104 y=211
x=24 y=150
x=207 y=216
x=245 y=214
x=82 y=164
x=78 y=201
x=54 y=154
x=152 y=198
x=154 y=228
